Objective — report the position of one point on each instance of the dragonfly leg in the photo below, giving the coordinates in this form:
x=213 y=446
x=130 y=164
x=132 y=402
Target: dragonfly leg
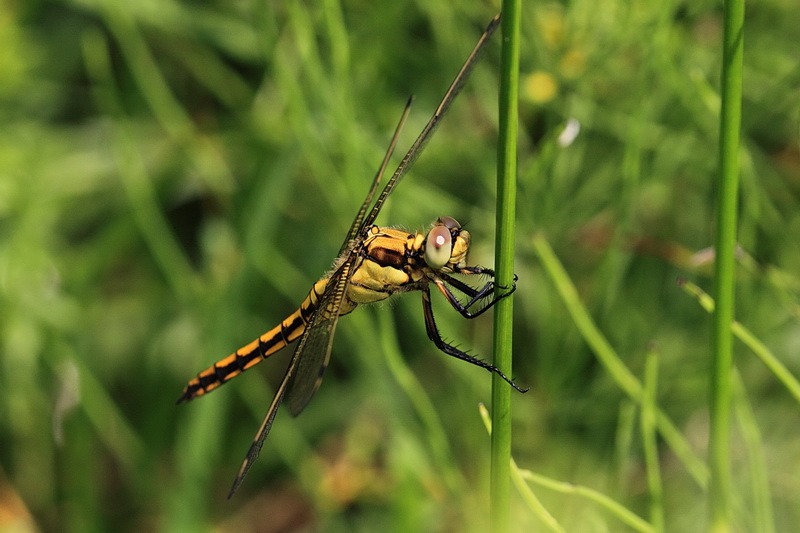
x=488 y=272
x=476 y=295
x=433 y=334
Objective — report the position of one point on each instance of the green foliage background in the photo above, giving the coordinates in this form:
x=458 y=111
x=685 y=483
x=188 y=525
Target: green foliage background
x=175 y=175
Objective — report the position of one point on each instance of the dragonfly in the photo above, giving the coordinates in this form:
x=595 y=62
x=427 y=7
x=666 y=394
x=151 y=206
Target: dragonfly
x=374 y=263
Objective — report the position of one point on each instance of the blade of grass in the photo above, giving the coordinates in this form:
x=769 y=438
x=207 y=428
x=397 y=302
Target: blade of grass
x=166 y=107
x=620 y=511
x=527 y=494
x=754 y=448
x=611 y=360
x=519 y=476
x=751 y=341
x=722 y=339
x=140 y=192
x=500 y=488
x=623 y=441
x=649 y=444
x=421 y=402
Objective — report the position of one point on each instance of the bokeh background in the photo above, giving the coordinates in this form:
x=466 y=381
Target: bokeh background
x=175 y=175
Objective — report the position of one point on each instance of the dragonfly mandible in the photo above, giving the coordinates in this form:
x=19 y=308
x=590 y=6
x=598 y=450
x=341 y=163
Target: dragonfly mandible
x=374 y=262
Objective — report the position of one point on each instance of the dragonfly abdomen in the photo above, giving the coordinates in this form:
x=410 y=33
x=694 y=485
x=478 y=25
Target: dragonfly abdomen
x=247 y=356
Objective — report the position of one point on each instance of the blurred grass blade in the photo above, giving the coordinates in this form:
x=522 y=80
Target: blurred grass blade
x=519 y=476
x=166 y=107
x=611 y=361
x=620 y=511
x=109 y=421
x=504 y=263
x=527 y=494
x=140 y=193
x=649 y=441
x=754 y=449
x=421 y=401
x=751 y=341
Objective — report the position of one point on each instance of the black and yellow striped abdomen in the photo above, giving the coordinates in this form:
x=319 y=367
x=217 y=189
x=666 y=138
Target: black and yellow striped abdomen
x=258 y=350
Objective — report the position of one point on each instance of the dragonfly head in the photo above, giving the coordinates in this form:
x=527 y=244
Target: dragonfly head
x=446 y=245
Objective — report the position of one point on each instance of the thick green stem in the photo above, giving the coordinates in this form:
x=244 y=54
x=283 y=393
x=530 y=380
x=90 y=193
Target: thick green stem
x=730 y=123
x=504 y=262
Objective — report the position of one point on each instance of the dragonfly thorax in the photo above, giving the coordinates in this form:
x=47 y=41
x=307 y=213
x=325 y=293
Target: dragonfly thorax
x=446 y=245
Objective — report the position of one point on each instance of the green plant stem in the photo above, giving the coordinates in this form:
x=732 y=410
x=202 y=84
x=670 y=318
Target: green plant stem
x=722 y=340
x=500 y=487
x=649 y=442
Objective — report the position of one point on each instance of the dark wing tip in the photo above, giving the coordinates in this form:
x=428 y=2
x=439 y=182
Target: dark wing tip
x=249 y=459
x=236 y=483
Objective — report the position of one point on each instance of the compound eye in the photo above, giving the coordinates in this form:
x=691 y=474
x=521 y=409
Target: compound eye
x=438 y=247
x=448 y=222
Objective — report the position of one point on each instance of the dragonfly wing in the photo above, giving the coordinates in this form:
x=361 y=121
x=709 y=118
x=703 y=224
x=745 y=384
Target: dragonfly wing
x=266 y=425
x=314 y=350
x=424 y=136
x=307 y=365
x=355 y=227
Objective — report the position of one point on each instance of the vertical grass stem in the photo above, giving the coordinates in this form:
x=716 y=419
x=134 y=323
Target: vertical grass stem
x=500 y=487
x=730 y=124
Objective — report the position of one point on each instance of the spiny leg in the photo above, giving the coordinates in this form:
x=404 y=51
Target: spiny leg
x=475 y=295
x=433 y=334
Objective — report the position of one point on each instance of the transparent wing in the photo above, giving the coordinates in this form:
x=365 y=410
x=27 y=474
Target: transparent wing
x=423 y=138
x=355 y=227
x=266 y=425
x=314 y=350
x=308 y=363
